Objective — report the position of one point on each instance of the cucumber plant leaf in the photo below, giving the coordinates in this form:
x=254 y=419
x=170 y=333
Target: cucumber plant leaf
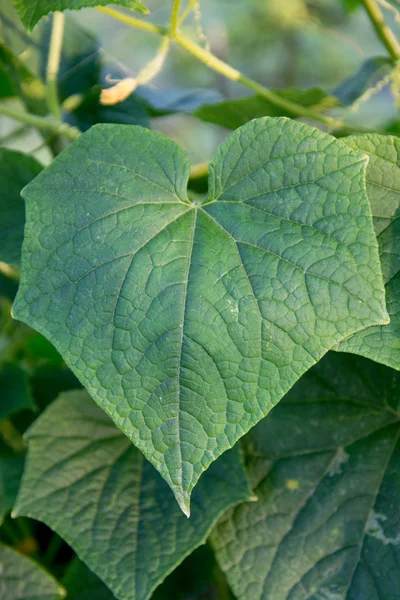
x=87 y=481
x=16 y=171
x=383 y=188
x=234 y=113
x=326 y=465
x=188 y=321
x=22 y=579
x=31 y=11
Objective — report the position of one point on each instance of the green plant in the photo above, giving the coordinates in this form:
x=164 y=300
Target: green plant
x=220 y=340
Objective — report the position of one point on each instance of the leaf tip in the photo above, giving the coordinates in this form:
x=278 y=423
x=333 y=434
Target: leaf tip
x=183 y=499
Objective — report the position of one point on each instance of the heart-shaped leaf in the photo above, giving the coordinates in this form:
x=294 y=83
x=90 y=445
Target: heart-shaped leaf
x=382 y=343
x=187 y=320
x=86 y=480
x=326 y=466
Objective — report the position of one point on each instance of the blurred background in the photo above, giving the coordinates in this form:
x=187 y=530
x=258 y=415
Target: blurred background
x=281 y=44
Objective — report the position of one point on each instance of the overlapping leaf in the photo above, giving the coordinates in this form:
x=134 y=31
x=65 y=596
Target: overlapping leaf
x=383 y=187
x=326 y=463
x=22 y=579
x=86 y=480
x=31 y=11
x=16 y=171
x=188 y=322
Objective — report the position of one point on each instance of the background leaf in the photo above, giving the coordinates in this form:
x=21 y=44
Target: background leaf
x=87 y=481
x=16 y=171
x=31 y=11
x=326 y=466
x=188 y=324
x=371 y=72
x=22 y=579
x=383 y=187
x=234 y=113
x=15 y=393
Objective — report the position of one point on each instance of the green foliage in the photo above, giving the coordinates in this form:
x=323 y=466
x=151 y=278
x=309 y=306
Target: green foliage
x=116 y=511
x=236 y=323
x=22 y=579
x=31 y=11
x=383 y=187
x=16 y=171
x=234 y=113
x=326 y=467
x=178 y=316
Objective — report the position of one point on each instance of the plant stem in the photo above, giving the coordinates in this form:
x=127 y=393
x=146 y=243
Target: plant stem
x=44 y=123
x=223 y=68
x=53 y=63
x=111 y=12
x=173 y=24
x=383 y=30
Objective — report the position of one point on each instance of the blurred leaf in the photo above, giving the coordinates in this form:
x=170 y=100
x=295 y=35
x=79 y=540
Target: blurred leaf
x=382 y=343
x=6 y=87
x=371 y=72
x=326 y=463
x=11 y=469
x=82 y=584
x=31 y=11
x=23 y=579
x=351 y=5
x=174 y=100
x=16 y=171
x=28 y=87
x=86 y=480
x=90 y=112
x=80 y=62
x=15 y=392
x=234 y=113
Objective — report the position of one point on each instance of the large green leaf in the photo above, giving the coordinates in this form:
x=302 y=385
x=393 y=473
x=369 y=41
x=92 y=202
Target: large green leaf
x=31 y=11
x=16 y=171
x=383 y=187
x=234 y=113
x=86 y=480
x=326 y=463
x=22 y=579
x=188 y=322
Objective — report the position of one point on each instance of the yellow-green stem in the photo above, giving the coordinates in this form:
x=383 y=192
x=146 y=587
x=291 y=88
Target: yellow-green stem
x=47 y=124
x=383 y=30
x=174 y=21
x=111 y=12
x=53 y=63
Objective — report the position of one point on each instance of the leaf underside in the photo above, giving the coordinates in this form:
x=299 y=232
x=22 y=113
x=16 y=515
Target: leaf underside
x=31 y=11
x=86 y=481
x=187 y=322
x=326 y=466
x=22 y=579
x=382 y=343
